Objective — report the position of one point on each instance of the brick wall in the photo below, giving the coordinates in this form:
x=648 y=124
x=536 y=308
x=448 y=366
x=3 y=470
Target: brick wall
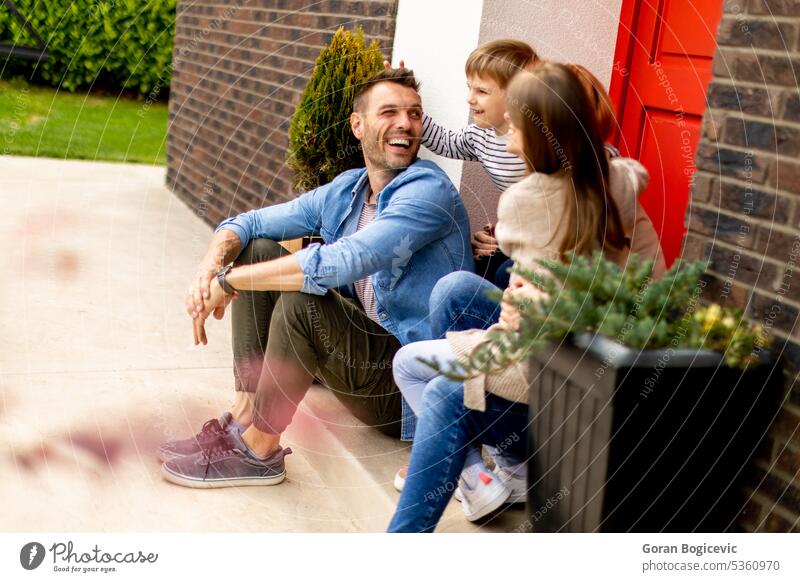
x=745 y=218
x=239 y=69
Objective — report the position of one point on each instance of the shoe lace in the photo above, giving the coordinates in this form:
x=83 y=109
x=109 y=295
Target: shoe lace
x=211 y=428
x=216 y=450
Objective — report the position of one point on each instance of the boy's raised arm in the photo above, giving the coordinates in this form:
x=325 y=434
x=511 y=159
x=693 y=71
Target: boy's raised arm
x=457 y=145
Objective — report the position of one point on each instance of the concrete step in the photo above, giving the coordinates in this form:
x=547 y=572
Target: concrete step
x=358 y=463
x=88 y=463
x=77 y=453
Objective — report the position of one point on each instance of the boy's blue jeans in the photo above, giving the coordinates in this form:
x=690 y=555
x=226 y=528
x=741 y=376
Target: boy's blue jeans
x=458 y=302
x=445 y=431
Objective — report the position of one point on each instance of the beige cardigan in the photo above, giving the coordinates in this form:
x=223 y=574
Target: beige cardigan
x=528 y=215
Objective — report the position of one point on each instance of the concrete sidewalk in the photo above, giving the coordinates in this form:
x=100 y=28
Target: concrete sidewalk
x=97 y=368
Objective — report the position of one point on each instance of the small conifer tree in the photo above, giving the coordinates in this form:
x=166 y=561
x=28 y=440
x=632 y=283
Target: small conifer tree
x=321 y=145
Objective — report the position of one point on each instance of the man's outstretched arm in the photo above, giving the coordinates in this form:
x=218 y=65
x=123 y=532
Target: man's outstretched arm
x=299 y=217
x=282 y=274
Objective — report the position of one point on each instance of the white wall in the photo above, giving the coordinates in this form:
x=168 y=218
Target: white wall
x=434 y=38
x=573 y=31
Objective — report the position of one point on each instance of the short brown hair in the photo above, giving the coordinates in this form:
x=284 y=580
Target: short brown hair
x=401 y=76
x=600 y=100
x=500 y=60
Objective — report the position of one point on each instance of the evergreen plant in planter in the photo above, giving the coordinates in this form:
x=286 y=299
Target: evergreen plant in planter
x=321 y=145
x=645 y=405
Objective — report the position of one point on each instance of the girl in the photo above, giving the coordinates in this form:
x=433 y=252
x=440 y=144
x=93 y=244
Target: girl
x=646 y=238
x=574 y=199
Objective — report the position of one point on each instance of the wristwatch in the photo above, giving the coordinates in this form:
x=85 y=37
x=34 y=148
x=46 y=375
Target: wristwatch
x=221 y=278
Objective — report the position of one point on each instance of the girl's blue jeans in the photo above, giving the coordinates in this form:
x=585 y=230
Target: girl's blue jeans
x=458 y=302
x=445 y=431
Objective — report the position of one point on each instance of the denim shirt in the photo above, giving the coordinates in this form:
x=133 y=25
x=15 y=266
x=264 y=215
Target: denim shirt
x=420 y=233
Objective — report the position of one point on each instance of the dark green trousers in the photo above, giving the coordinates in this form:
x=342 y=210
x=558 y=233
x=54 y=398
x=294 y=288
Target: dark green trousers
x=283 y=340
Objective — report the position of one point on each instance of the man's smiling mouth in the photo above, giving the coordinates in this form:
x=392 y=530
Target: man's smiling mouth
x=401 y=142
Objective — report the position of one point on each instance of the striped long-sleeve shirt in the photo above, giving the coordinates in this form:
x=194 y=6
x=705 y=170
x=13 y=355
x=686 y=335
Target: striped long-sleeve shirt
x=475 y=144
x=364 y=289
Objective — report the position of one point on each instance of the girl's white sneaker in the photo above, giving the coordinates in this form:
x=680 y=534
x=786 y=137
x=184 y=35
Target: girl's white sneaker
x=481 y=494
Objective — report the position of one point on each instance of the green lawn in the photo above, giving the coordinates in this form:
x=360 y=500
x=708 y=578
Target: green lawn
x=39 y=121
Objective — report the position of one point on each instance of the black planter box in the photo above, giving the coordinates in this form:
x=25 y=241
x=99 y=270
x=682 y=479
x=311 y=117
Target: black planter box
x=623 y=440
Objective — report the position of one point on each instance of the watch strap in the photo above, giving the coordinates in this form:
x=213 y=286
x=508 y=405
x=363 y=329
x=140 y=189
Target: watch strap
x=221 y=278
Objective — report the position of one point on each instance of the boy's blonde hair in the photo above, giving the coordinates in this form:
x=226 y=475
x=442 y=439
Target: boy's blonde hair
x=500 y=60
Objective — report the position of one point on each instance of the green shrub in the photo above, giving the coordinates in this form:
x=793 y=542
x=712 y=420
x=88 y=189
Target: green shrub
x=119 y=44
x=321 y=145
x=593 y=294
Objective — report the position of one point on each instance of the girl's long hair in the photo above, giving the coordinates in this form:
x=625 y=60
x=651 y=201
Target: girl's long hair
x=599 y=100
x=551 y=108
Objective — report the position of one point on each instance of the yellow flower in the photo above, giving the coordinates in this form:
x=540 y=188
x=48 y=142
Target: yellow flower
x=729 y=322
x=713 y=314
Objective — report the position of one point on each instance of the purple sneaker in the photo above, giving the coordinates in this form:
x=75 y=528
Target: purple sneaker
x=212 y=431
x=227 y=463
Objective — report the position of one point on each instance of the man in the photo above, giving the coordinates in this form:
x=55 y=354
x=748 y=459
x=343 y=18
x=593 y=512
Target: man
x=391 y=231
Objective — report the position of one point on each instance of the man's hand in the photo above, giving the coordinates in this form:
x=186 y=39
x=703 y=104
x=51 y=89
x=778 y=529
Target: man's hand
x=216 y=303
x=199 y=292
x=205 y=295
x=483 y=243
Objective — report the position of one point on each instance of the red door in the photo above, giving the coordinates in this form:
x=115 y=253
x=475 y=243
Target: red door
x=662 y=70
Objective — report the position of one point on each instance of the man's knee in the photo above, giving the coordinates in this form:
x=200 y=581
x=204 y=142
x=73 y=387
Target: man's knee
x=259 y=250
x=454 y=288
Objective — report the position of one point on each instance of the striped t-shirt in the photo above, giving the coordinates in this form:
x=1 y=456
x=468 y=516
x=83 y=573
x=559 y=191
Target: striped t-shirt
x=364 y=290
x=476 y=144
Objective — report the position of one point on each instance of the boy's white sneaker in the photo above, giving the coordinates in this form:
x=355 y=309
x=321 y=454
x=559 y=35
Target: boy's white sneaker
x=482 y=495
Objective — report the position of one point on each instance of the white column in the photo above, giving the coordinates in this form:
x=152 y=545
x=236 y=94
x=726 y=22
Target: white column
x=434 y=38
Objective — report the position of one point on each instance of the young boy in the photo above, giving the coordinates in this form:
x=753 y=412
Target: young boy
x=489 y=69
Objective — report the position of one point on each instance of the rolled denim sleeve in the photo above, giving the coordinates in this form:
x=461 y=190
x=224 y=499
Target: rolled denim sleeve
x=299 y=217
x=420 y=211
x=308 y=259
